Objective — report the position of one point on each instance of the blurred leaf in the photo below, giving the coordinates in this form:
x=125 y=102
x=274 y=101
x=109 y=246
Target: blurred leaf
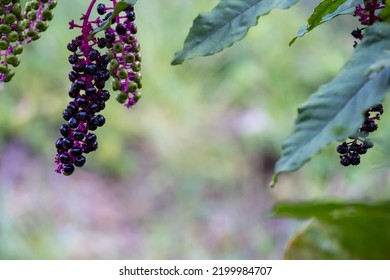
x=326 y=11
x=226 y=24
x=335 y=110
x=385 y=13
x=339 y=230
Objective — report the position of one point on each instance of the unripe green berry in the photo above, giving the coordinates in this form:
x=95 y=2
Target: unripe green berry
x=53 y=4
x=136 y=47
x=136 y=67
x=121 y=97
x=22 y=25
x=6 y=2
x=9 y=18
x=129 y=58
x=4 y=28
x=138 y=57
x=110 y=54
x=122 y=73
x=17 y=49
x=31 y=33
x=137 y=96
x=4 y=45
x=34 y=5
x=115 y=84
x=114 y=64
x=3 y=68
x=31 y=15
x=13 y=36
x=132 y=87
x=41 y=26
x=9 y=76
x=118 y=48
x=17 y=9
x=47 y=14
x=1 y=11
x=12 y=59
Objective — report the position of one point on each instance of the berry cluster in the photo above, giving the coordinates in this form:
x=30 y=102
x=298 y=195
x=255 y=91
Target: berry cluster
x=18 y=28
x=368 y=14
x=350 y=152
x=125 y=58
x=90 y=71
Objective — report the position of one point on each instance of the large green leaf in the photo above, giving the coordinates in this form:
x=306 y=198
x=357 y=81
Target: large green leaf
x=335 y=110
x=326 y=11
x=227 y=23
x=339 y=230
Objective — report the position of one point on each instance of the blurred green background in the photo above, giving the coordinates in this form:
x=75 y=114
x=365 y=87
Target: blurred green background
x=184 y=174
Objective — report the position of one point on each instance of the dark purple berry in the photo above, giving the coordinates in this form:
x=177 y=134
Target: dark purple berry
x=64 y=130
x=101 y=9
x=76 y=152
x=130 y=15
x=82 y=102
x=91 y=69
x=79 y=161
x=93 y=54
x=67 y=143
x=101 y=120
x=59 y=143
x=73 y=59
x=102 y=43
x=78 y=135
x=121 y=29
x=345 y=161
x=343 y=148
x=72 y=47
x=90 y=91
x=82 y=115
x=66 y=114
x=73 y=76
x=73 y=123
x=68 y=169
x=90 y=139
x=65 y=158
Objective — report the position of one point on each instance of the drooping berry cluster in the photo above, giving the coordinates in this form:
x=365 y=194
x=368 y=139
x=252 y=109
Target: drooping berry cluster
x=90 y=71
x=350 y=152
x=368 y=14
x=124 y=51
x=18 y=28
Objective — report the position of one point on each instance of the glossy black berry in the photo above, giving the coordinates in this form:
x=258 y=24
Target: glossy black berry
x=67 y=143
x=72 y=47
x=59 y=143
x=101 y=120
x=121 y=29
x=73 y=59
x=343 y=148
x=82 y=102
x=65 y=158
x=82 y=115
x=345 y=161
x=93 y=54
x=102 y=43
x=79 y=161
x=72 y=107
x=76 y=152
x=73 y=123
x=130 y=15
x=90 y=139
x=64 y=130
x=73 y=76
x=90 y=91
x=101 y=9
x=68 y=169
x=78 y=135
x=91 y=69
x=66 y=114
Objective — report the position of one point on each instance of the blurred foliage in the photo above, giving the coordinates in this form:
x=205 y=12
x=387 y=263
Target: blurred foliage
x=339 y=230
x=184 y=174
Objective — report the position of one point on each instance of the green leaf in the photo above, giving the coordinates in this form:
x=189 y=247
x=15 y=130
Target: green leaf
x=226 y=24
x=326 y=11
x=335 y=111
x=385 y=13
x=120 y=6
x=339 y=230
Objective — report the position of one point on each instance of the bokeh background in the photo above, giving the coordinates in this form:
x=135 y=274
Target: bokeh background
x=184 y=174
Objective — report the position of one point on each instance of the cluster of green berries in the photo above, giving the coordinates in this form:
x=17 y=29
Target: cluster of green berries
x=124 y=51
x=350 y=152
x=91 y=69
x=20 y=26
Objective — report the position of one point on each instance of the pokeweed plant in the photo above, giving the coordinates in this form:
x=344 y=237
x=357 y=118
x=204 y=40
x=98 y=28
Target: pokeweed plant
x=107 y=48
